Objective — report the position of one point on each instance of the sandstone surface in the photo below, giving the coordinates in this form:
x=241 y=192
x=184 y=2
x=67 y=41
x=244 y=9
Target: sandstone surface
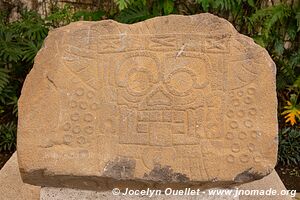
x=12 y=188
x=175 y=100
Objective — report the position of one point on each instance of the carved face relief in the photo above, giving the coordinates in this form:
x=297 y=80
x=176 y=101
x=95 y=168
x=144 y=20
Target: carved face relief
x=130 y=101
x=162 y=94
x=168 y=103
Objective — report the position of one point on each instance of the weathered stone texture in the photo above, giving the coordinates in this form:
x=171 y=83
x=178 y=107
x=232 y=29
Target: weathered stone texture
x=12 y=188
x=183 y=100
x=50 y=193
x=11 y=184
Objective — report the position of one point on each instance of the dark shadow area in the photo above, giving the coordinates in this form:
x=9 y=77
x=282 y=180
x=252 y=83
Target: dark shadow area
x=4 y=157
x=290 y=176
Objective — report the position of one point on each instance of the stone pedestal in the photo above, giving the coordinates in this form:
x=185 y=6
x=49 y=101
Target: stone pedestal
x=48 y=193
x=11 y=184
x=12 y=188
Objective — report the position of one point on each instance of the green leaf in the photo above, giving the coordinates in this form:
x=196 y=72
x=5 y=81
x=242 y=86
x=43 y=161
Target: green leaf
x=281 y=82
x=85 y=15
x=168 y=6
x=251 y=3
x=135 y=13
x=297 y=17
x=4 y=79
x=204 y=4
x=289 y=143
x=292 y=31
x=30 y=49
x=259 y=40
x=8 y=136
x=297 y=82
x=13 y=101
x=279 y=48
x=122 y=4
x=294 y=60
x=270 y=16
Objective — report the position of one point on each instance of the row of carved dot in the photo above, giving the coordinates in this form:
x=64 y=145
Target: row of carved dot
x=237 y=102
x=82 y=92
x=83 y=105
x=68 y=139
x=86 y=117
x=240 y=93
x=76 y=129
x=243 y=135
x=236 y=147
x=241 y=113
x=246 y=123
x=244 y=158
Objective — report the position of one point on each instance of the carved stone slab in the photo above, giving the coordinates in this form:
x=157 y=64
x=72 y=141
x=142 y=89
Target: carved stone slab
x=178 y=100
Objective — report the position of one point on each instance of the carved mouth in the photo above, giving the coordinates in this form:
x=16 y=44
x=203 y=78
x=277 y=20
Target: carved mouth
x=172 y=116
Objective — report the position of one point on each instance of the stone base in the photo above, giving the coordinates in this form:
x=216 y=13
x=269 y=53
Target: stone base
x=11 y=184
x=12 y=188
x=271 y=181
x=48 y=193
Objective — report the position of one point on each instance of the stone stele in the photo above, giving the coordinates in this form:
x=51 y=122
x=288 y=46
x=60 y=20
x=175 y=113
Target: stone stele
x=172 y=101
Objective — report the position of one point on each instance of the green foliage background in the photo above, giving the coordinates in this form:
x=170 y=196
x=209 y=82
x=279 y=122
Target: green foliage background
x=275 y=26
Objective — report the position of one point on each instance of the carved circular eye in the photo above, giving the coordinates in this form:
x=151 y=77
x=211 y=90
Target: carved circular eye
x=180 y=82
x=139 y=81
